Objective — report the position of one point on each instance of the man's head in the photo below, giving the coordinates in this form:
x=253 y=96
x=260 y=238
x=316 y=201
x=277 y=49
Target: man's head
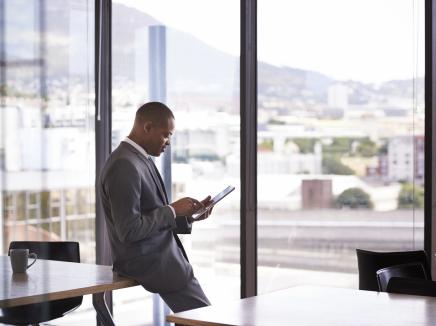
x=153 y=127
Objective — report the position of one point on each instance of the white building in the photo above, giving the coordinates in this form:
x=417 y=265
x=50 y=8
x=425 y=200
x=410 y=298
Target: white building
x=291 y=163
x=405 y=160
x=30 y=147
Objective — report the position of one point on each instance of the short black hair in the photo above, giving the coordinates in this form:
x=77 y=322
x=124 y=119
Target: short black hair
x=156 y=112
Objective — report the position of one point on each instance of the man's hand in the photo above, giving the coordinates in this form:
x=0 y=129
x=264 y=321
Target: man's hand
x=187 y=206
x=206 y=214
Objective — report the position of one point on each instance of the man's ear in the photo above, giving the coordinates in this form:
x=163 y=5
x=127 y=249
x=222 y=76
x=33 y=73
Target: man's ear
x=148 y=125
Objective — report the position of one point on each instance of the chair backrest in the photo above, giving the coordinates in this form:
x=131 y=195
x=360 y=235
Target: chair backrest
x=369 y=262
x=412 y=286
x=53 y=250
x=42 y=312
x=410 y=270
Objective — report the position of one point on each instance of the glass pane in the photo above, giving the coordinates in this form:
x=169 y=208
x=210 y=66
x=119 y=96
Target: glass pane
x=340 y=136
x=190 y=61
x=46 y=123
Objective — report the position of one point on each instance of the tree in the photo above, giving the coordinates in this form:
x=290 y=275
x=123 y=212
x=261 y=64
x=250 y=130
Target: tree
x=339 y=146
x=411 y=196
x=305 y=145
x=354 y=198
x=367 y=148
x=383 y=150
x=332 y=165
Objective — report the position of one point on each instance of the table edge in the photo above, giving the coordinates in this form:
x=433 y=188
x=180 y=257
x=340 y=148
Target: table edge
x=39 y=298
x=192 y=322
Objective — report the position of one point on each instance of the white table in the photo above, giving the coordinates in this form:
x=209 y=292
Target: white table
x=51 y=280
x=313 y=305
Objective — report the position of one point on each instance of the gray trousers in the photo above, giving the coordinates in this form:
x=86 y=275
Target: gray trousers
x=191 y=297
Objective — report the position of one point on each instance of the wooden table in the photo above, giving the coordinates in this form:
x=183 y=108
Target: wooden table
x=51 y=280
x=312 y=305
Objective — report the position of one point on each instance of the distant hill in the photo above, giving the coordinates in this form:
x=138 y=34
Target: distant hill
x=290 y=83
x=193 y=67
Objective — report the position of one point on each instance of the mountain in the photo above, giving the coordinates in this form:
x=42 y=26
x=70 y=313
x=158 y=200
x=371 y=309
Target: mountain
x=193 y=68
x=287 y=83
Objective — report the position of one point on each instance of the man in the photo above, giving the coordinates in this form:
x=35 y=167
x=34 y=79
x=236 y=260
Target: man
x=142 y=225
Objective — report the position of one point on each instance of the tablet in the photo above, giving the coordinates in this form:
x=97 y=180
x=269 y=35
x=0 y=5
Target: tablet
x=215 y=200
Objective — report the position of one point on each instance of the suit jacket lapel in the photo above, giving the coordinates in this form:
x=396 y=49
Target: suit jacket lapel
x=159 y=182
x=154 y=174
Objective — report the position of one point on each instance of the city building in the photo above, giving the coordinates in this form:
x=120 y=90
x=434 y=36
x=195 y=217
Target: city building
x=406 y=159
x=316 y=194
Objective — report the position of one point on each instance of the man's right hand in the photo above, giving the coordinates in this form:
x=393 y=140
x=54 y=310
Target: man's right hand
x=186 y=206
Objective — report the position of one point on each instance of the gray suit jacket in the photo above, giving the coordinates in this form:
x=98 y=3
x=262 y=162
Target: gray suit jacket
x=142 y=229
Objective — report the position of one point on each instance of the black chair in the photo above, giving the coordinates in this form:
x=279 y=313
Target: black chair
x=42 y=312
x=411 y=270
x=369 y=262
x=412 y=286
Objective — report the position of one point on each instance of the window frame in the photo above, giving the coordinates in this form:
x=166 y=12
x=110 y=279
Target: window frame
x=248 y=133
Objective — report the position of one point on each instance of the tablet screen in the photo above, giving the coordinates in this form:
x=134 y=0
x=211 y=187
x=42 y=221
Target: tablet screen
x=215 y=200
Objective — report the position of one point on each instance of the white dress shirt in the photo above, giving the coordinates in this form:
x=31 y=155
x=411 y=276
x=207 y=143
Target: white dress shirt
x=147 y=156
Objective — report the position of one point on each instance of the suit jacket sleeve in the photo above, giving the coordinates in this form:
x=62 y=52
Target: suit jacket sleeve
x=123 y=187
x=183 y=226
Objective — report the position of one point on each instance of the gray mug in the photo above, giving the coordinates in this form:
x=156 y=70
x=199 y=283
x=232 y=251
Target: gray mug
x=19 y=259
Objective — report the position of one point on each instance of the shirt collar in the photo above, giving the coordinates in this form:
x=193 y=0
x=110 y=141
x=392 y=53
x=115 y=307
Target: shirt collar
x=136 y=146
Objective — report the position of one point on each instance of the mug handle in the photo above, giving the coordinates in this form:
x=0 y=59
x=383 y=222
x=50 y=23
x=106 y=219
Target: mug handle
x=34 y=256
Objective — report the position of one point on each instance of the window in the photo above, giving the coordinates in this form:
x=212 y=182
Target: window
x=339 y=97
x=47 y=108
x=46 y=121
x=190 y=61
x=340 y=130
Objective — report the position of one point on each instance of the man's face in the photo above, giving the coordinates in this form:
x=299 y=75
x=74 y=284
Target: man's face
x=160 y=137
